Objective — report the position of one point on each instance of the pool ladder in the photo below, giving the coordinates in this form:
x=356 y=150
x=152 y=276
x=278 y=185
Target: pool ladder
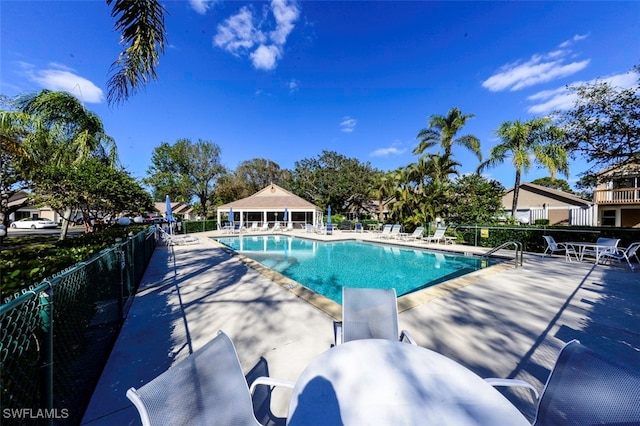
x=519 y=251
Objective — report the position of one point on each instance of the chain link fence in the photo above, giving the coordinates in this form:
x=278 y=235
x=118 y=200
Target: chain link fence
x=56 y=337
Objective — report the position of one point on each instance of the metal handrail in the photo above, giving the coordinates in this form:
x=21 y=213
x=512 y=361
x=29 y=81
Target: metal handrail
x=519 y=259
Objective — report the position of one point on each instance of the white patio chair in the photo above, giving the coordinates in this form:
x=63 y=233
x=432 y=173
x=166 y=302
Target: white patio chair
x=369 y=313
x=394 y=233
x=623 y=255
x=208 y=387
x=437 y=236
x=386 y=230
x=606 y=245
x=553 y=246
x=417 y=234
x=585 y=388
x=176 y=240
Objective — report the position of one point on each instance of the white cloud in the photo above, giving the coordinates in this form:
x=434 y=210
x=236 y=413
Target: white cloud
x=237 y=33
x=201 y=6
x=293 y=86
x=264 y=57
x=348 y=124
x=540 y=68
x=562 y=98
x=385 y=152
x=240 y=33
x=577 y=37
x=61 y=78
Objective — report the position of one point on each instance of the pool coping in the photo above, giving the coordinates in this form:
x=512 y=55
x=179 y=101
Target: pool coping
x=334 y=309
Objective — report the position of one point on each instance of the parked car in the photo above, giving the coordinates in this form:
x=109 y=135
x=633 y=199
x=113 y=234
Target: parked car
x=154 y=219
x=29 y=222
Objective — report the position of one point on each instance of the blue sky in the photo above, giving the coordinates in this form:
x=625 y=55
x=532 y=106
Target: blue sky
x=286 y=80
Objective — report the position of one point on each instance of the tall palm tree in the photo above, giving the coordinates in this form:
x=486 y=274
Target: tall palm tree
x=382 y=190
x=141 y=25
x=443 y=129
x=525 y=143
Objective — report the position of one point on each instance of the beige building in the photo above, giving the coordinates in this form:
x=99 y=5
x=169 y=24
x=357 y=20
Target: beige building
x=268 y=205
x=539 y=202
x=617 y=197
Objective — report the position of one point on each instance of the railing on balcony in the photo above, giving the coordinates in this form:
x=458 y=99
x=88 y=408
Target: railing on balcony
x=617 y=196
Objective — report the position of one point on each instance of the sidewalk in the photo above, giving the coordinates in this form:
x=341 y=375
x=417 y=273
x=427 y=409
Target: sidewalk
x=510 y=322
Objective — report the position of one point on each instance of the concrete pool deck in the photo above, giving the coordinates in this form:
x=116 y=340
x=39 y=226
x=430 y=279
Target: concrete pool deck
x=498 y=322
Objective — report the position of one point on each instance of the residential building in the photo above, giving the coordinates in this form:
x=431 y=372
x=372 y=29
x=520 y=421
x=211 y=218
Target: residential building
x=617 y=196
x=559 y=207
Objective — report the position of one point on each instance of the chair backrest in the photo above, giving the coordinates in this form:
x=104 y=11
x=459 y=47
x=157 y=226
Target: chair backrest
x=358 y=227
x=395 y=229
x=207 y=387
x=369 y=313
x=418 y=232
x=632 y=249
x=587 y=388
x=551 y=242
x=613 y=242
x=386 y=229
x=439 y=232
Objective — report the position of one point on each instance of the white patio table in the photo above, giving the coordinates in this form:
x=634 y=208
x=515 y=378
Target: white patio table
x=383 y=382
x=579 y=249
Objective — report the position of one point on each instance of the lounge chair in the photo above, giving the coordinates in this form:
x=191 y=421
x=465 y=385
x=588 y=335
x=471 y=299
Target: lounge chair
x=369 y=313
x=395 y=231
x=358 y=228
x=386 y=230
x=207 y=387
x=264 y=227
x=417 y=234
x=585 y=388
x=176 y=240
x=289 y=227
x=309 y=228
x=254 y=227
x=276 y=227
x=437 y=236
x=553 y=246
x=623 y=255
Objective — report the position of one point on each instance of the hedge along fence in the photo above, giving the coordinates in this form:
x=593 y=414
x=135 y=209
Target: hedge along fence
x=193 y=226
x=56 y=337
x=531 y=236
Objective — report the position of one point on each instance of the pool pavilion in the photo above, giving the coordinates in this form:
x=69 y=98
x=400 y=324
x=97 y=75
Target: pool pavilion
x=268 y=206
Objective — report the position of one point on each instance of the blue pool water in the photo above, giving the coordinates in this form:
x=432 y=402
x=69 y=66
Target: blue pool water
x=325 y=267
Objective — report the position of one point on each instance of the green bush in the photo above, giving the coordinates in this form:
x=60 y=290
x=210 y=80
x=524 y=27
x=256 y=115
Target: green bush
x=34 y=259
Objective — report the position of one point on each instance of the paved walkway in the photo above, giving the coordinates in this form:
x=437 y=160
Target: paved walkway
x=499 y=322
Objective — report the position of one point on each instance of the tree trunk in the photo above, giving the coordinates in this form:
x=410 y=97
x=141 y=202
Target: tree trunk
x=65 y=223
x=516 y=192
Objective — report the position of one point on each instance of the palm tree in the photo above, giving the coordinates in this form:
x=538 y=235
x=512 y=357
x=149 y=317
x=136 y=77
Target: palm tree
x=443 y=130
x=68 y=134
x=382 y=190
x=141 y=25
x=525 y=143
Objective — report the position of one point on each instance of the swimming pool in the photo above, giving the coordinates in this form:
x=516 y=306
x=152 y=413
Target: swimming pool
x=325 y=267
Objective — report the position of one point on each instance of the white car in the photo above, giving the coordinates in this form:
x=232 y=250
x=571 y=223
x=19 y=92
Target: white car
x=30 y=223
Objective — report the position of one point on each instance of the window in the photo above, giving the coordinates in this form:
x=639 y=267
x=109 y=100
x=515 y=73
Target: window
x=609 y=218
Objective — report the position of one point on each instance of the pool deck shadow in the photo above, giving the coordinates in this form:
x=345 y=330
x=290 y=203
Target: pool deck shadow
x=499 y=322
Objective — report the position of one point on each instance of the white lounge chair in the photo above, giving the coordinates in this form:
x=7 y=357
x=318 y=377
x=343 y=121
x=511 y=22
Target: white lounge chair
x=386 y=230
x=417 y=234
x=176 y=240
x=395 y=231
x=207 y=387
x=553 y=246
x=264 y=227
x=622 y=255
x=254 y=227
x=289 y=227
x=585 y=388
x=276 y=227
x=437 y=236
x=369 y=313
